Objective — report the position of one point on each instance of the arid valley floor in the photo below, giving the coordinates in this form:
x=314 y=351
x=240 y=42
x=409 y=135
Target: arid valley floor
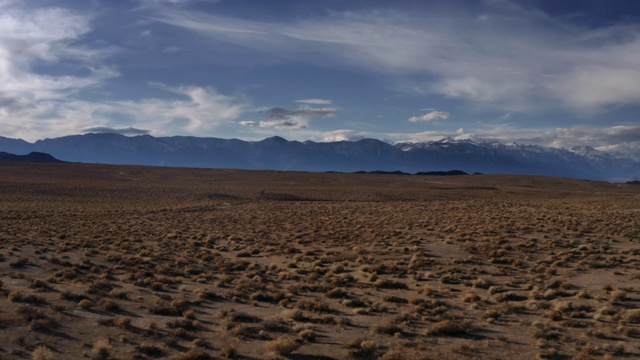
x=117 y=262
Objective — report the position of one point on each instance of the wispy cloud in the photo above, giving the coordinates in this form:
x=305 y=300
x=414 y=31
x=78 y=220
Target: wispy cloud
x=430 y=116
x=122 y=131
x=314 y=102
x=290 y=118
x=509 y=57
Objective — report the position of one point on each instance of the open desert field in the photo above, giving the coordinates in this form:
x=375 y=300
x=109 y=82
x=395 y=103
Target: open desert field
x=121 y=262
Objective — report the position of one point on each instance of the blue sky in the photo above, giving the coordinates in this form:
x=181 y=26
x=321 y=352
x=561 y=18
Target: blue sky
x=555 y=73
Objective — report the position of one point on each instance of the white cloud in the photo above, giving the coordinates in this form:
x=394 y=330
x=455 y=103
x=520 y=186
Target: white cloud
x=511 y=58
x=31 y=102
x=342 y=135
x=430 y=116
x=31 y=37
x=197 y=111
x=314 y=102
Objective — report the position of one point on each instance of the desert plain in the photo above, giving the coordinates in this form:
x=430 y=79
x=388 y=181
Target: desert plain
x=124 y=262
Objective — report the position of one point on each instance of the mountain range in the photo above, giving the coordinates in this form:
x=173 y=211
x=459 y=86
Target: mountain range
x=276 y=153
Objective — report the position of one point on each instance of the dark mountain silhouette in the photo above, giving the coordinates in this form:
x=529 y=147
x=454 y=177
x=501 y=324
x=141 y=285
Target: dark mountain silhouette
x=442 y=173
x=35 y=157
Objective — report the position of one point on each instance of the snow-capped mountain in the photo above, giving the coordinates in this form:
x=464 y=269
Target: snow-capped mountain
x=276 y=153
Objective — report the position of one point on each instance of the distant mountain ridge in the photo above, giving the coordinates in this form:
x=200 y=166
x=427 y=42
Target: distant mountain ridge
x=36 y=157
x=276 y=153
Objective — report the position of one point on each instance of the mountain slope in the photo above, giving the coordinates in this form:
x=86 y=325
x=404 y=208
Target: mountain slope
x=276 y=153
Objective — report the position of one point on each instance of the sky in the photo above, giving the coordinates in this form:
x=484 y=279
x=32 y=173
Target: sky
x=546 y=72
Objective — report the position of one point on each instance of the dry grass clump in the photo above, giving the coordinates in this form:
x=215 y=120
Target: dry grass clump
x=283 y=345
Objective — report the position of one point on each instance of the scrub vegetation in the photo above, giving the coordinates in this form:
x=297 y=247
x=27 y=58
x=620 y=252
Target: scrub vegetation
x=120 y=262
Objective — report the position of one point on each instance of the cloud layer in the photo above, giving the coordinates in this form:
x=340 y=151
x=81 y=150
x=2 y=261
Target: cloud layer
x=509 y=57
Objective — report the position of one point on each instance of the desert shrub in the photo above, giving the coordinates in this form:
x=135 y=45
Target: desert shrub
x=275 y=325
x=206 y=294
x=389 y=284
x=507 y=296
x=618 y=296
x=337 y=293
x=194 y=354
x=307 y=335
x=264 y=297
x=108 y=305
x=42 y=353
x=39 y=284
x=363 y=349
x=406 y=354
x=68 y=295
x=450 y=328
x=29 y=312
x=632 y=316
x=42 y=325
x=229 y=351
x=85 y=304
x=283 y=345
x=100 y=350
x=395 y=299
x=18 y=296
x=482 y=283
x=122 y=322
x=471 y=297
x=165 y=309
x=315 y=306
x=242 y=317
x=389 y=327
x=150 y=349
x=354 y=303
x=100 y=288
x=244 y=330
